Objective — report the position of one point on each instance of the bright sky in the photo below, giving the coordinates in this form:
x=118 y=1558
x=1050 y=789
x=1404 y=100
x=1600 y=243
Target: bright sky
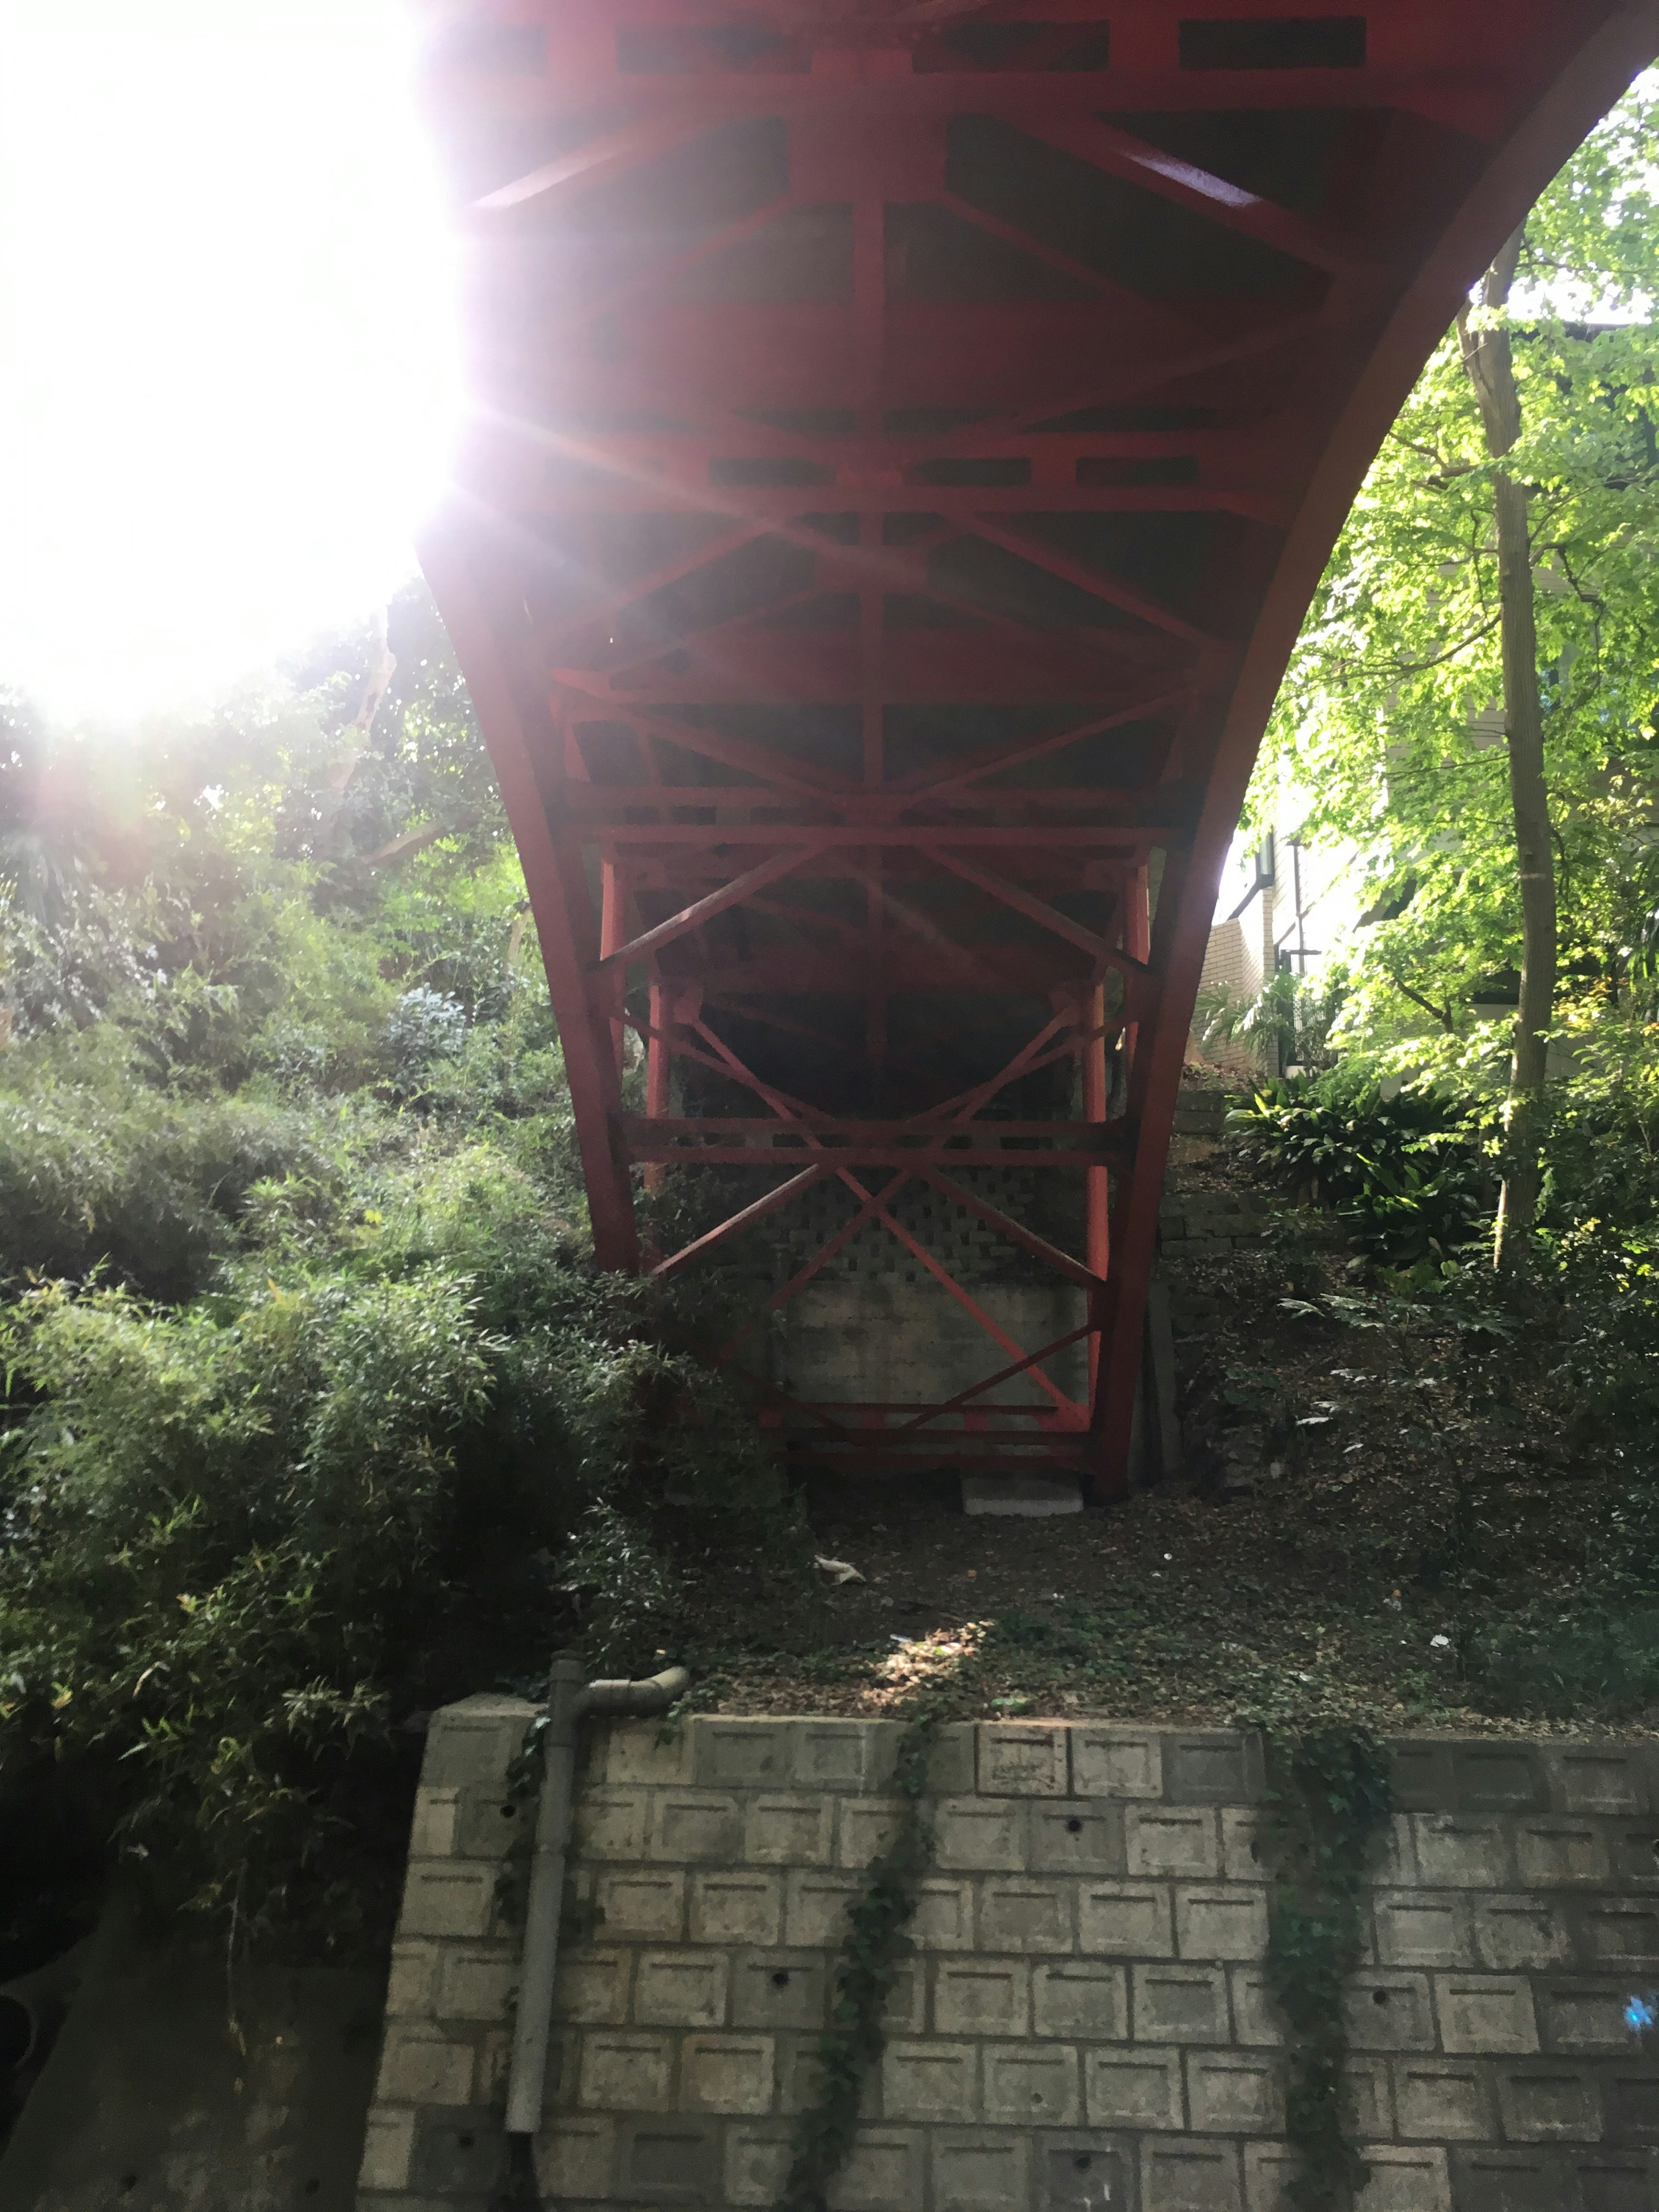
x=226 y=365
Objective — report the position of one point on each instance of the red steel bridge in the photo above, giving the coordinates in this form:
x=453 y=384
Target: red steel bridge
x=903 y=438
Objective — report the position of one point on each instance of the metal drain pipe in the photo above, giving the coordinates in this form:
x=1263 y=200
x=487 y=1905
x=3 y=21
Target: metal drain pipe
x=570 y=1701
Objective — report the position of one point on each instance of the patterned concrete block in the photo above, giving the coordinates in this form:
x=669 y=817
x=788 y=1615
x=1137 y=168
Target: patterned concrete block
x=1031 y=2085
x=1443 y=2100
x=489 y=1823
x=636 y=1751
x=778 y=1989
x=944 y=1917
x=1236 y=2093
x=1247 y=1843
x=980 y=1834
x=1423 y=1928
x=905 y=2012
x=815 y=1908
x=1453 y=1853
x=796 y=1831
x=611 y=1824
x=1257 y=2024
x=1081 y=2171
x=1126 y=1919
x=742 y=1907
x=1630 y=2094
x=388 y=2148
x=669 y=2162
x=680 y=1989
x=1172 y=1840
x=980 y=2170
x=411 y=1991
x=1132 y=2087
x=742 y=1754
x=1190 y=2176
x=833 y=1755
x=577 y=2159
x=645 y=1902
x=1117 y=1762
x=694 y=1825
x=1269 y=2168
x=1179 y=2004
x=422 y=2065
x=447 y=1897
x=1212 y=1766
x=1223 y=1923
x=1489 y=2179
x=1027 y=1915
x=930 y=2080
x=436 y=1814
x=1543 y=2100
x=1554 y=1854
x=865 y=1827
x=756 y=2161
x=1407 y=2179
x=474 y=1741
x=476 y=1981
x=1586 y=2016
x=1421 y=1775
x=726 y=2073
x=623 y=2072
x=1081 y=1836
x=1499 y=1778
x=594 y=1987
x=1617 y=1934
x=886 y=2174
x=1393 y=1854
x=1511 y=1932
x=1084 y=1998
x=1018 y=1759
x=1368 y=2100
x=981 y=1997
x=1389 y=2011
x=1600 y=1779
x=1491 y=2013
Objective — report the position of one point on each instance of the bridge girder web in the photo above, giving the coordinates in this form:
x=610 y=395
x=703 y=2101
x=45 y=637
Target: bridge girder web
x=903 y=438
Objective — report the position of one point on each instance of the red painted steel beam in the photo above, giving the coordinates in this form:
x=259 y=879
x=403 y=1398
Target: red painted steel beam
x=898 y=464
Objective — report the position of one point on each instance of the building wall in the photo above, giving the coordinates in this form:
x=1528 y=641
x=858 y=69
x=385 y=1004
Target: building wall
x=1085 y=2020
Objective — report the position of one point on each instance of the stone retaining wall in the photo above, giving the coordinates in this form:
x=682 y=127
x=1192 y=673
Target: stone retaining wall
x=1084 y=2022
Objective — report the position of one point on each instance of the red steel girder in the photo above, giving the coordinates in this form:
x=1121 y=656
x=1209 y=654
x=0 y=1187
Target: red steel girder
x=898 y=462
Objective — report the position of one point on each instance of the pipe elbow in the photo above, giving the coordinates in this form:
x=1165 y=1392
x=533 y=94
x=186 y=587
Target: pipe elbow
x=638 y=1699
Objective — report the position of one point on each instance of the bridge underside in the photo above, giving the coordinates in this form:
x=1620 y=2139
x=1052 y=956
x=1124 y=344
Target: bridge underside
x=904 y=441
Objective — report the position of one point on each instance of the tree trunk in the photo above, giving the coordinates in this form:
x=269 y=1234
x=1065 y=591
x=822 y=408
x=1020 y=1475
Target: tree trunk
x=1490 y=364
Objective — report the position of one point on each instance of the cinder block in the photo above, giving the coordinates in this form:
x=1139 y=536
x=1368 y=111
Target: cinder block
x=1619 y=1933
x=1179 y=2004
x=865 y=1825
x=1498 y=1777
x=1117 y=1762
x=815 y=1908
x=640 y=1901
x=1634 y=1855
x=833 y=1755
x=1247 y=1843
x=981 y=1997
x=411 y=1991
x=1515 y=1932
x=885 y=2173
x=1083 y=2172
x=981 y=1835
x=1126 y=1919
x=929 y=2080
x=778 y=1989
x=945 y=1915
x=1257 y=2022
x=1574 y=2017
x=980 y=2170
x=757 y=2162
x=1422 y=1928
x=611 y=1824
x=1368 y=2100
x=1189 y=2176
x=1026 y=1915
x=422 y=2065
x=1631 y=2103
x=447 y=1897
x=1084 y=1998
x=637 y=1752
x=1018 y=1759
x=1226 y=1922
x=726 y=2073
x=594 y=1987
x=577 y=2159
x=1493 y=2180
x=1234 y=2092
x=1132 y=2087
x=1443 y=2100
x=1212 y=1766
x=738 y=1753
x=1269 y=2169
x=1408 y=2178
x=1170 y=1840
x=1080 y=1836
x=474 y=1741
x=789 y=1831
x=672 y=2160
x=432 y=1834
x=1610 y=2180
x=1557 y=1854
x=953 y=1766
x=696 y=1825
x=1389 y=2011
x=388 y=2149
x=1487 y=2013
x=475 y=1982
x=1032 y=2085
x=627 y=2073
x=680 y=1989
x=737 y=1907
x=1453 y=1853
x=1598 y=1778
x=1545 y=2101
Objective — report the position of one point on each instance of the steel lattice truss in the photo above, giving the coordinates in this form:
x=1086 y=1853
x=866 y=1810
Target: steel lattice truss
x=904 y=441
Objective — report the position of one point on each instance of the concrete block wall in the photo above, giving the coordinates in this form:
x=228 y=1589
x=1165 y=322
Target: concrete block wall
x=1084 y=2022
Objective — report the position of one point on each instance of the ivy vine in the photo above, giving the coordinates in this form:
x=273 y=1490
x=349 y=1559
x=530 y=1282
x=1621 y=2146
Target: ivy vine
x=1330 y=1795
x=872 y=1951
